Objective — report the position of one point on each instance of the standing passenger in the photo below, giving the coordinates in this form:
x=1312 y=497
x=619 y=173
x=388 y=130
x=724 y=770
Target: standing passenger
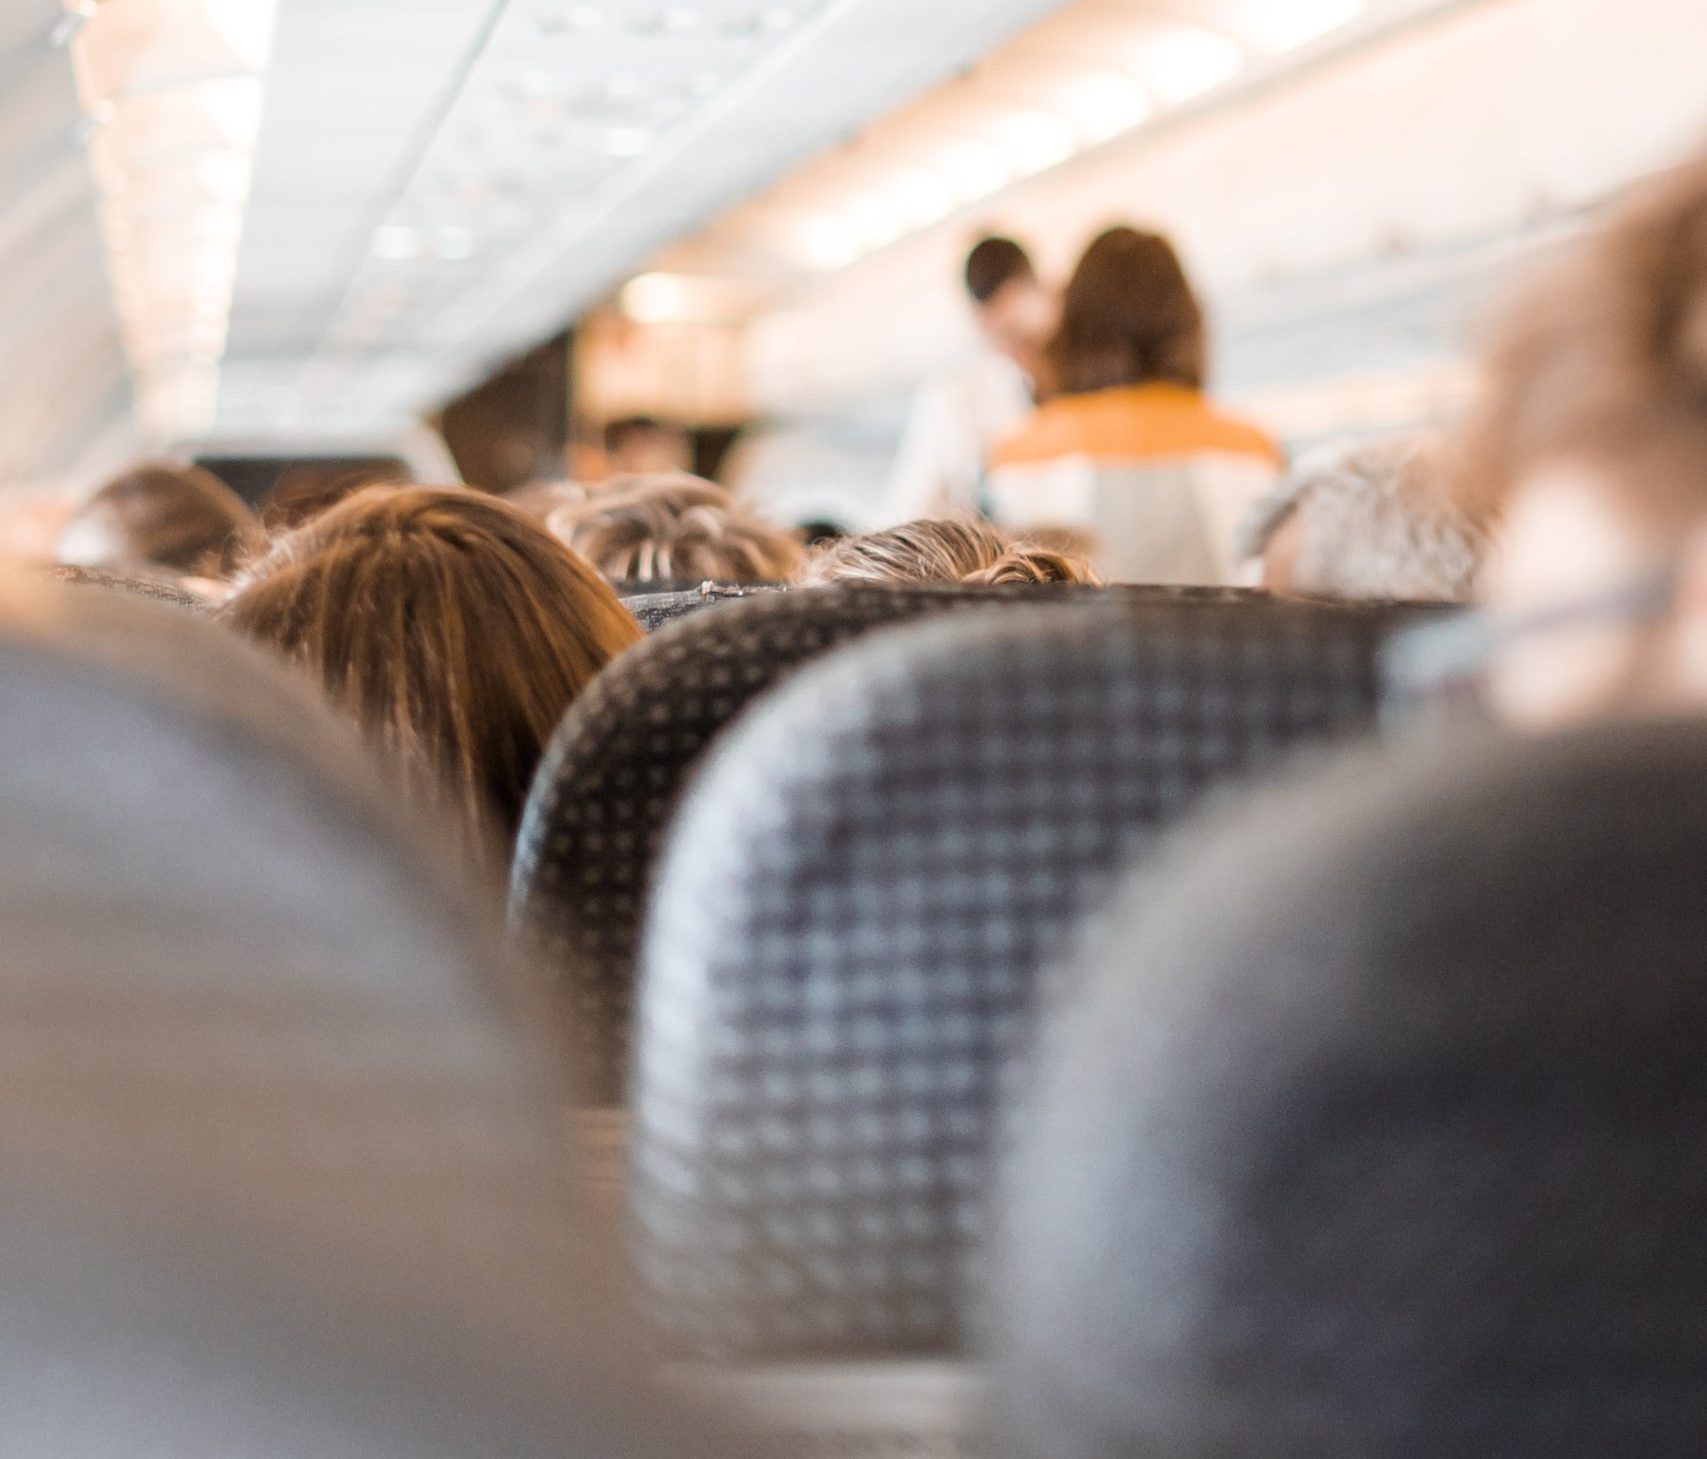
x=958 y=420
x=1131 y=453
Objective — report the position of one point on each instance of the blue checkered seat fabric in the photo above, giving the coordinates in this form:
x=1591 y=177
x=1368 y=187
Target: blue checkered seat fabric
x=616 y=767
x=855 y=905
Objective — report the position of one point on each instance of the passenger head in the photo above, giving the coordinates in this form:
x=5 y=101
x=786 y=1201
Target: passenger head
x=452 y=629
x=1591 y=444
x=640 y=445
x=1014 y=310
x=1129 y=317
x=302 y=492
x=676 y=529
x=1373 y=521
x=967 y=551
x=178 y=518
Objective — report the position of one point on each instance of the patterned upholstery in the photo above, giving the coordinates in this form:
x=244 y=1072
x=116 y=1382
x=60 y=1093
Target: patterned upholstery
x=654 y=607
x=854 y=906
x=1398 y=1147
x=144 y=584
x=281 y=1169
x=612 y=775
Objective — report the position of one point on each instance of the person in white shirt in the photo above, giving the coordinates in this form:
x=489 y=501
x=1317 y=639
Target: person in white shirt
x=959 y=418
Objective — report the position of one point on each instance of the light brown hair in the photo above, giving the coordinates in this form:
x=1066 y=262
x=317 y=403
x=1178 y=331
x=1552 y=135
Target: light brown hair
x=451 y=628
x=676 y=529
x=963 y=551
x=1129 y=317
x=180 y=518
x=1602 y=360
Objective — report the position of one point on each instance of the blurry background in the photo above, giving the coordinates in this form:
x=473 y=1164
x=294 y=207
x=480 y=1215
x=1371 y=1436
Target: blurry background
x=258 y=230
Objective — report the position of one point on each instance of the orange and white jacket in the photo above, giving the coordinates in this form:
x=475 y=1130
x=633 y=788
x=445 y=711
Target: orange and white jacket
x=1157 y=476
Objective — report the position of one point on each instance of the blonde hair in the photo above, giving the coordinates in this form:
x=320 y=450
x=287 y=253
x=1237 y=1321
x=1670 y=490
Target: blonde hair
x=953 y=551
x=1604 y=361
x=675 y=528
x=1376 y=520
x=452 y=629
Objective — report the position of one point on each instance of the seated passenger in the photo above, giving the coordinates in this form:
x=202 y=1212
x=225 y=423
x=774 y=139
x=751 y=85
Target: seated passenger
x=452 y=629
x=957 y=550
x=1382 y=521
x=643 y=446
x=676 y=529
x=177 y=519
x=1591 y=446
x=1130 y=449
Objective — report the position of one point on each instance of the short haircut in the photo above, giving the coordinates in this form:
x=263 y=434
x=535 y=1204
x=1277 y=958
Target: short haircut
x=453 y=630
x=676 y=529
x=1386 y=520
x=180 y=518
x=964 y=551
x=1602 y=360
x=1129 y=317
x=994 y=264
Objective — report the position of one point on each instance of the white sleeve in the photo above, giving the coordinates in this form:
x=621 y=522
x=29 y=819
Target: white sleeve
x=940 y=463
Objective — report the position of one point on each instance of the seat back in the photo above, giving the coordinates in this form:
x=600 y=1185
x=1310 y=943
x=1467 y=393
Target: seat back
x=854 y=907
x=281 y=1167
x=214 y=916
x=655 y=606
x=1378 y=1125
x=613 y=773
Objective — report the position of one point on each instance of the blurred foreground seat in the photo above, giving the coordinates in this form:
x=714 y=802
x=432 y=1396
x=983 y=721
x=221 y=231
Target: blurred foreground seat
x=281 y=1169
x=1378 y=1127
x=855 y=904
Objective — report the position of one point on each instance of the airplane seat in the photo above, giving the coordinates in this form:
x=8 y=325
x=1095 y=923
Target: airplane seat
x=160 y=588
x=281 y=1167
x=1376 y=1123
x=611 y=777
x=657 y=605
x=216 y=918
x=853 y=906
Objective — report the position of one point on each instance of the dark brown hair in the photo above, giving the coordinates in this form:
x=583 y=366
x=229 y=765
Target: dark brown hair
x=967 y=551
x=994 y=264
x=176 y=517
x=1129 y=317
x=676 y=529
x=451 y=628
x=1603 y=359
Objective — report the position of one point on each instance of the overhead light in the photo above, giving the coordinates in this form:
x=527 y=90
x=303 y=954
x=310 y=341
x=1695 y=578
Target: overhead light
x=623 y=141
x=397 y=243
x=921 y=197
x=1033 y=141
x=776 y=17
x=1103 y=104
x=825 y=241
x=973 y=170
x=679 y=17
x=1185 y=61
x=666 y=298
x=1299 y=22
x=876 y=219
